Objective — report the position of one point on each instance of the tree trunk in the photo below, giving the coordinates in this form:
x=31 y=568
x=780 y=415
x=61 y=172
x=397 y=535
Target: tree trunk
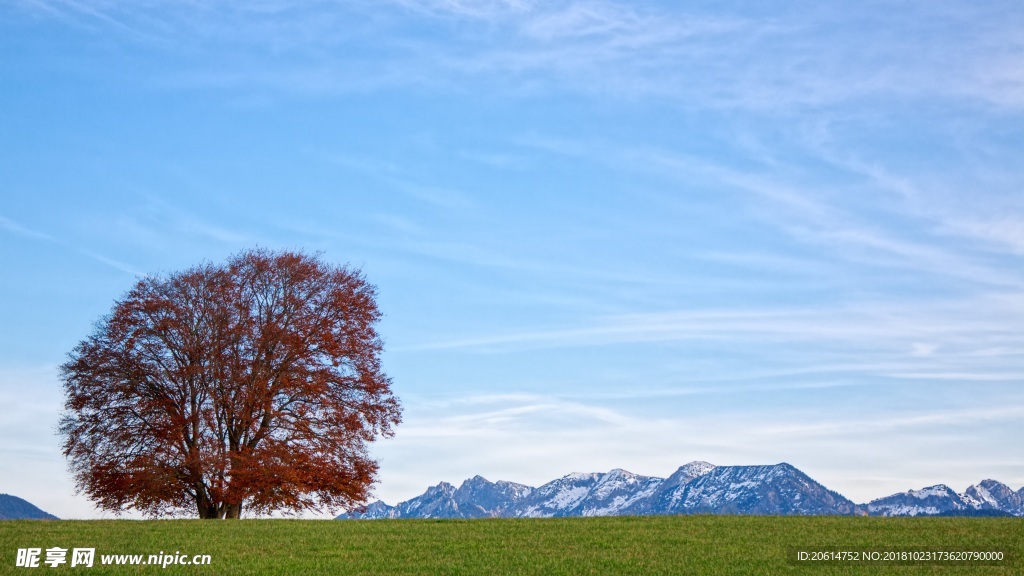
x=226 y=511
x=207 y=510
x=232 y=511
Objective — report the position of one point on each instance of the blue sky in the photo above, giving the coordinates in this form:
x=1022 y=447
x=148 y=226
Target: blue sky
x=605 y=234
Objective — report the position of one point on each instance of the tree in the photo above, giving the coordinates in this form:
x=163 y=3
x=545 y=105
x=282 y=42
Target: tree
x=255 y=383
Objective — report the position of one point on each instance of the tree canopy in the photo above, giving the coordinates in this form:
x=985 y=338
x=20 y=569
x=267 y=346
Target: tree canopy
x=254 y=383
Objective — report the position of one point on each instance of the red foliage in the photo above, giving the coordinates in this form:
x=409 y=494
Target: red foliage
x=255 y=383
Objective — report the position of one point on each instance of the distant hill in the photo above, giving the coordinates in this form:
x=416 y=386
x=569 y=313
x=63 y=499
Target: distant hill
x=14 y=508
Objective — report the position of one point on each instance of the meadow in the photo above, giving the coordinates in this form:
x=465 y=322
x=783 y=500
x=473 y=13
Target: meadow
x=612 y=545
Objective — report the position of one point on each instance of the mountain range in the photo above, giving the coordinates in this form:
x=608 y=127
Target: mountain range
x=695 y=488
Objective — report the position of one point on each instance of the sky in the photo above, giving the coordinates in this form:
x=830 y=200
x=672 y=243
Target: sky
x=604 y=234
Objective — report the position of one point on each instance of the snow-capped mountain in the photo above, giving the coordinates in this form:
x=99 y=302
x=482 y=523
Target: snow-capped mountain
x=437 y=502
x=985 y=496
x=926 y=501
x=992 y=495
x=480 y=498
x=588 y=495
x=666 y=495
x=778 y=489
x=558 y=497
x=695 y=488
x=476 y=498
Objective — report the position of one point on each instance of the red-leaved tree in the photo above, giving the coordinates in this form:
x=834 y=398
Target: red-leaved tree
x=255 y=383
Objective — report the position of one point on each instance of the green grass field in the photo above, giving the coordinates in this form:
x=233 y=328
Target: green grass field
x=617 y=545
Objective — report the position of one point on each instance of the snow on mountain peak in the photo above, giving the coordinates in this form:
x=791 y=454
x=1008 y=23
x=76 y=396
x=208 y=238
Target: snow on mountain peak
x=698 y=467
x=940 y=490
x=696 y=487
x=575 y=476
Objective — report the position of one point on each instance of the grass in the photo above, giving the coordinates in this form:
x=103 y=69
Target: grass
x=617 y=545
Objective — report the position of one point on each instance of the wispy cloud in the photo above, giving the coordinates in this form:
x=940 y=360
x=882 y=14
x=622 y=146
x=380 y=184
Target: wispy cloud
x=1003 y=233
x=160 y=219
x=891 y=423
x=791 y=58
x=14 y=227
x=116 y=264
x=991 y=215
x=803 y=208
x=473 y=9
x=944 y=325
x=400 y=179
